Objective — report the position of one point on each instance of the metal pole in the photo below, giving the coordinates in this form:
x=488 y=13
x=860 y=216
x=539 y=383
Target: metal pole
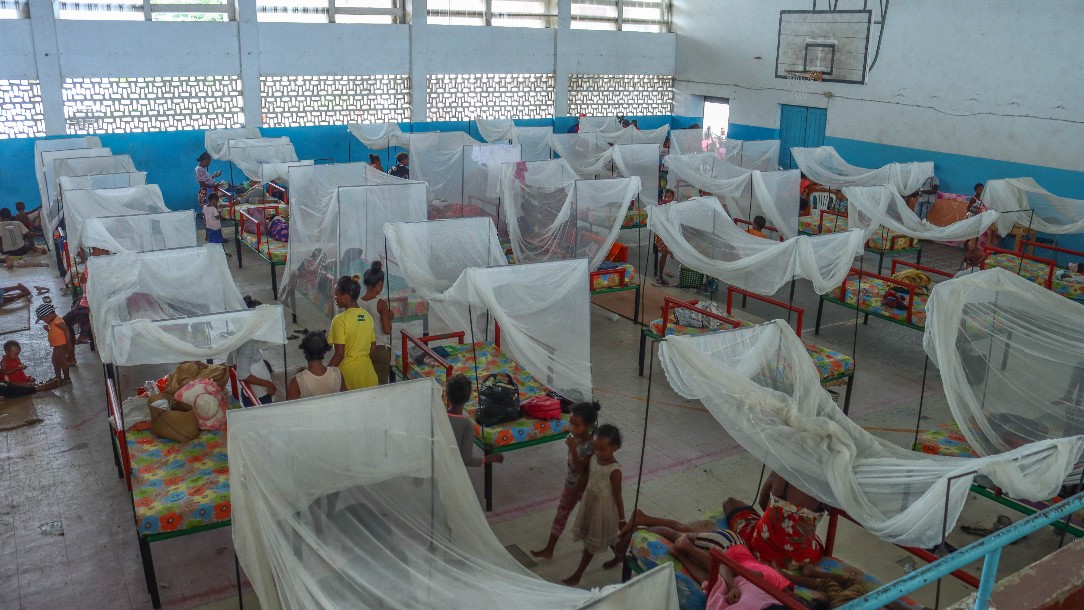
x=986 y=583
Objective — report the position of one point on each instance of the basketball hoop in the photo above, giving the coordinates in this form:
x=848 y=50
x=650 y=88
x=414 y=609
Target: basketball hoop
x=801 y=83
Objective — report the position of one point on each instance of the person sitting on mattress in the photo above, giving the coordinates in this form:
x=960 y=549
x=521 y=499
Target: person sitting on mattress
x=757 y=230
x=456 y=394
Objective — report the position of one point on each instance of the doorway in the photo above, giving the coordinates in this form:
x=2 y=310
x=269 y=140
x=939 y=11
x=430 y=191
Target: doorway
x=802 y=127
x=716 y=120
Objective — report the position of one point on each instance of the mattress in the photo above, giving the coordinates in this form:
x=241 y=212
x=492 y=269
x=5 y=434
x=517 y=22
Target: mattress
x=612 y=278
x=873 y=293
x=832 y=366
x=945 y=439
x=491 y=359
x=1035 y=272
x=880 y=240
x=271 y=249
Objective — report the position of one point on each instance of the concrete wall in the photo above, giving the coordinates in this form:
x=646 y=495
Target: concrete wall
x=983 y=89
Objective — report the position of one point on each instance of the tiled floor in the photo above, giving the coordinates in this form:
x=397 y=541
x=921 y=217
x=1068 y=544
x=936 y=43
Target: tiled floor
x=63 y=470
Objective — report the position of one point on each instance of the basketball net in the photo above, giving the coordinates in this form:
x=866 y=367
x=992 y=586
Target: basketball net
x=801 y=83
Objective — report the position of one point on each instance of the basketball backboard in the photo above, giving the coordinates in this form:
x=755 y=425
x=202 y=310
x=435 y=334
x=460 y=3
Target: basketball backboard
x=833 y=43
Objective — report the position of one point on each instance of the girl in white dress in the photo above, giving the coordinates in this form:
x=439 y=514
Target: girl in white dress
x=602 y=511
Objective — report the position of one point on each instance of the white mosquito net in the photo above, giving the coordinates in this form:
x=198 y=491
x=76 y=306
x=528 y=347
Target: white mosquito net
x=462 y=174
x=360 y=500
x=631 y=135
x=43 y=169
x=173 y=305
x=263 y=159
x=141 y=232
x=1011 y=356
x=93 y=203
x=641 y=161
x=379 y=136
x=760 y=384
x=542 y=308
x=590 y=124
x=703 y=237
x=686 y=141
x=94 y=181
x=553 y=215
x=870 y=207
x=335 y=210
x=50 y=192
x=534 y=142
x=586 y=153
x=823 y=165
x=1053 y=214
x=591 y=157
x=762 y=155
x=86 y=166
x=746 y=193
x=215 y=140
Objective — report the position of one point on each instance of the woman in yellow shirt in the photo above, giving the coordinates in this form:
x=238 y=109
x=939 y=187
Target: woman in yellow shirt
x=353 y=336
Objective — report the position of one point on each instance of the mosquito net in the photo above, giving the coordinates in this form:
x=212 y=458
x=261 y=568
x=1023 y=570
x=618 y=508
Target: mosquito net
x=379 y=136
x=534 y=142
x=215 y=140
x=1011 y=356
x=762 y=155
x=336 y=210
x=43 y=169
x=686 y=141
x=141 y=232
x=263 y=159
x=86 y=166
x=641 y=161
x=703 y=237
x=823 y=165
x=360 y=500
x=760 y=384
x=1052 y=214
x=542 y=308
x=79 y=206
x=631 y=135
x=584 y=152
x=591 y=124
x=462 y=174
x=870 y=207
x=173 y=305
x=50 y=190
x=94 y=181
x=746 y=193
x=552 y=215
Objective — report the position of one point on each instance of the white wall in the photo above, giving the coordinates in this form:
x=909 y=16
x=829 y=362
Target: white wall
x=51 y=50
x=992 y=79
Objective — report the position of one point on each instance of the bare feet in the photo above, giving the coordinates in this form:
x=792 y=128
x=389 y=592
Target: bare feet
x=637 y=516
x=613 y=563
x=546 y=553
x=571 y=581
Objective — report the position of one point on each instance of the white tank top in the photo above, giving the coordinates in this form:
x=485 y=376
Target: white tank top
x=371 y=307
x=312 y=385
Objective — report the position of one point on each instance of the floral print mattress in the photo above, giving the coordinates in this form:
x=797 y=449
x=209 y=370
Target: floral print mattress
x=234 y=213
x=873 y=293
x=178 y=486
x=271 y=249
x=812 y=225
x=945 y=439
x=612 y=278
x=833 y=366
x=1036 y=272
x=880 y=240
x=491 y=359
x=649 y=550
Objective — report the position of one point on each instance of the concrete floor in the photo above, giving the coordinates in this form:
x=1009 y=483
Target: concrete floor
x=62 y=469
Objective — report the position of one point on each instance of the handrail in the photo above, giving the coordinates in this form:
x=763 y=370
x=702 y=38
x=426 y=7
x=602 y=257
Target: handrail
x=1035 y=244
x=988 y=549
x=422 y=343
x=732 y=290
x=670 y=303
x=1050 y=264
x=719 y=559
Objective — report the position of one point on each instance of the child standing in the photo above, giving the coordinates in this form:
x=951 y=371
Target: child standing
x=58 y=340
x=602 y=512
x=581 y=446
x=212 y=220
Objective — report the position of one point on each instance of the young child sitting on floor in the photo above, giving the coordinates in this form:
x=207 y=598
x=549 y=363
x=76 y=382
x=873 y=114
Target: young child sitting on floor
x=58 y=340
x=456 y=395
x=13 y=371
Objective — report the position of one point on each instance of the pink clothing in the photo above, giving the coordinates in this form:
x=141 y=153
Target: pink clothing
x=752 y=598
x=83 y=302
x=744 y=556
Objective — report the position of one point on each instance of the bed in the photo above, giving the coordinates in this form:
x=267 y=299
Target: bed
x=252 y=232
x=458 y=357
x=883 y=242
x=906 y=307
x=1043 y=271
x=649 y=550
x=835 y=368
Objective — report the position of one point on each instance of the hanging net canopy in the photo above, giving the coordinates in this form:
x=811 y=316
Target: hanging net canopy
x=609 y=131
x=111 y=166
x=263 y=159
x=703 y=237
x=823 y=165
x=591 y=157
x=45 y=151
x=1052 y=214
x=1011 y=356
x=640 y=161
x=553 y=215
x=380 y=136
x=585 y=152
x=762 y=155
x=746 y=193
x=215 y=141
x=870 y=207
x=173 y=305
x=462 y=174
x=543 y=308
x=761 y=386
x=140 y=232
x=82 y=205
x=360 y=500
x=534 y=142
x=686 y=141
x=592 y=124
x=337 y=216
x=93 y=181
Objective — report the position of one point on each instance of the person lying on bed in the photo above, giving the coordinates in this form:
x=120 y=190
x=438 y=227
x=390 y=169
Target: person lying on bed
x=456 y=394
x=730 y=590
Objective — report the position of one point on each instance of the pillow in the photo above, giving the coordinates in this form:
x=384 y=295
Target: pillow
x=278 y=229
x=208 y=401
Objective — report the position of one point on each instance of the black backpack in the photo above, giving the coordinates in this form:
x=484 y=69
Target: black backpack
x=498 y=400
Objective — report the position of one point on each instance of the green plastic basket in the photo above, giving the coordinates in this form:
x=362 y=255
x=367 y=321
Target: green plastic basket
x=687 y=278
